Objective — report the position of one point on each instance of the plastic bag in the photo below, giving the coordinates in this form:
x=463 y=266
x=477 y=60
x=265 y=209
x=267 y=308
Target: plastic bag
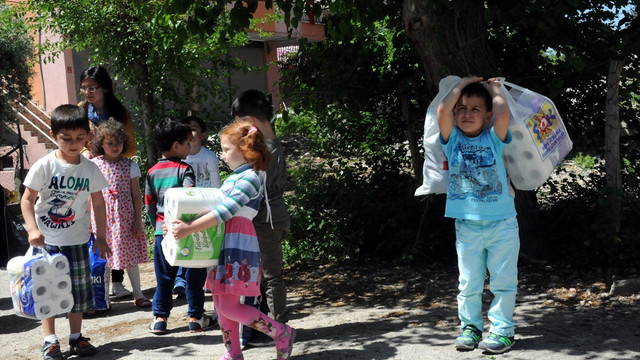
x=40 y=285
x=539 y=138
x=100 y=277
x=435 y=170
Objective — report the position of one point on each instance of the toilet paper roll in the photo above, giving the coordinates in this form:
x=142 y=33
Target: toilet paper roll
x=37 y=267
x=63 y=304
x=41 y=292
x=61 y=286
x=59 y=264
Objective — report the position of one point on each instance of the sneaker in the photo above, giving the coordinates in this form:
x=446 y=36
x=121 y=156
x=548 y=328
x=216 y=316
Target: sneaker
x=469 y=338
x=496 y=344
x=81 y=347
x=158 y=326
x=198 y=325
x=51 y=351
x=284 y=343
x=119 y=291
x=260 y=340
x=178 y=290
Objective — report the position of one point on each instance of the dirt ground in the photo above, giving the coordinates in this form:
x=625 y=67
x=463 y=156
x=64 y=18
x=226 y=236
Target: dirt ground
x=371 y=311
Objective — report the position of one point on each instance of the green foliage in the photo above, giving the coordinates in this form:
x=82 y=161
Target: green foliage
x=358 y=205
x=156 y=52
x=585 y=161
x=16 y=52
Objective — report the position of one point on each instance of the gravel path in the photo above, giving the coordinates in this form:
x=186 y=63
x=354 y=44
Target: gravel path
x=400 y=328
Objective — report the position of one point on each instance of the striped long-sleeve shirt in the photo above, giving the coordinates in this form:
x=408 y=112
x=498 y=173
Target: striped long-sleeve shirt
x=243 y=195
x=165 y=174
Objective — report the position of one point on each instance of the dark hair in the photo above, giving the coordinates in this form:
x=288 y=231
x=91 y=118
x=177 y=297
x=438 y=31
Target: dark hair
x=252 y=103
x=477 y=89
x=69 y=117
x=170 y=130
x=250 y=141
x=114 y=107
x=110 y=128
x=189 y=119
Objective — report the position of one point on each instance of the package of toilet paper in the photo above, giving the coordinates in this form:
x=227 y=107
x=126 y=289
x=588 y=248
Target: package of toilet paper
x=200 y=249
x=539 y=138
x=40 y=285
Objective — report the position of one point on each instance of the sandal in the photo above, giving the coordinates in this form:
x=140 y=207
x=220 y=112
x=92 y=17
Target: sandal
x=142 y=303
x=286 y=338
x=228 y=356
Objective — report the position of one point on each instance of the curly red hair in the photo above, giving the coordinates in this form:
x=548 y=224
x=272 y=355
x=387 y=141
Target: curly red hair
x=251 y=142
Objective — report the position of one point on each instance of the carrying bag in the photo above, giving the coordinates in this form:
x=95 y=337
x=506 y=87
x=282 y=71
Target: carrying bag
x=435 y=170
x=100 y=277
x=539 y=139
x=40 y=285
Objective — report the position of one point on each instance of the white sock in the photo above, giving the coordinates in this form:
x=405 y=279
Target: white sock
x=74 y=336
x=51 y=339
x=134 y=277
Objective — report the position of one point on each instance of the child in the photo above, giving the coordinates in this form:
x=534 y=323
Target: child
x=59 y=221
x=205 y=165
x=125 y=232
x=479 y=199
x=272 y=221
x=172 y=138
x=246 y=153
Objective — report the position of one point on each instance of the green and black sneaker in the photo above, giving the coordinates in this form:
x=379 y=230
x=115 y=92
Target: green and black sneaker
x=496 y=344
x=469 y=338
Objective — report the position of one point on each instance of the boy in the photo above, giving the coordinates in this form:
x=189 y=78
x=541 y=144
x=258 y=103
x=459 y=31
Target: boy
x=272 y=221
x=172 y=138
x=205 y=164
x=479 y=199
x=63 y=181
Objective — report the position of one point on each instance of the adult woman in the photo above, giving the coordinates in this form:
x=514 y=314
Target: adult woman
x=101 y=103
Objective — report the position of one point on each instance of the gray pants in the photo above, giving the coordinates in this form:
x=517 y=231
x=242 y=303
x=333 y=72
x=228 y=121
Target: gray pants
x=270 y=241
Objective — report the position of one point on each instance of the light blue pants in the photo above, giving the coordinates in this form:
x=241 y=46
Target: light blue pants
x=494 y=246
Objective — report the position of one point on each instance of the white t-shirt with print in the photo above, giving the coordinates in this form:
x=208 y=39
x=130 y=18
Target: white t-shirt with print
x=64 y=190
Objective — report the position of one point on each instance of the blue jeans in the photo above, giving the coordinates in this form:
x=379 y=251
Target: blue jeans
x=493 y=246
x=165 y=278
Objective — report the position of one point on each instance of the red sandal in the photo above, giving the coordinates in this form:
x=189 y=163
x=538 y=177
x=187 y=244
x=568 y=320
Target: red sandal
x=142 y=303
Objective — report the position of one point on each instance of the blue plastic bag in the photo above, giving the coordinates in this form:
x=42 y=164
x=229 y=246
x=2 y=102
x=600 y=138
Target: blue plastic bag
x=101 y=278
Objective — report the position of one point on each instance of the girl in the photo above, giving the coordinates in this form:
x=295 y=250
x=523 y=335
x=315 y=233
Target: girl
x=245 y=151
x=101 y=104
x=125 y=233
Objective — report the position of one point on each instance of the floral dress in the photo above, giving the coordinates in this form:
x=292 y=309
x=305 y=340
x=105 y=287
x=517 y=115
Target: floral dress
x=127 y=251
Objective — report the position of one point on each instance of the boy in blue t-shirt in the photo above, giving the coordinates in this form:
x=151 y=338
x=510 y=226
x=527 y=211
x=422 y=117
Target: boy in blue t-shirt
x=478 y=198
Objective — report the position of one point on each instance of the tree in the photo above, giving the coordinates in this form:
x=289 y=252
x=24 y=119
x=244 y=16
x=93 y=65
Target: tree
x=15 y=65
x=153 y=51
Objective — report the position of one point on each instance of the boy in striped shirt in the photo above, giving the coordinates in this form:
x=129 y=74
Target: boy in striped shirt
x=172 y=138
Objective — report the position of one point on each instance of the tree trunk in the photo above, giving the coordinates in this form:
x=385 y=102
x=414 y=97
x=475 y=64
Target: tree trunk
x=454 y=42
x=451 y=41
x=612 y=147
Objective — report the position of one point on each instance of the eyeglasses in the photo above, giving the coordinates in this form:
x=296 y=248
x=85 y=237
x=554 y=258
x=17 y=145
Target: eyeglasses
x=90 y=89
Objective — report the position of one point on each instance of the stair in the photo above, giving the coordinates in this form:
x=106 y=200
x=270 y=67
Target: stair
x=37 y=122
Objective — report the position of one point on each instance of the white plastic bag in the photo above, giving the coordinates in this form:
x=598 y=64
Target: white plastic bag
x=540 y=139
x=435 y=170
